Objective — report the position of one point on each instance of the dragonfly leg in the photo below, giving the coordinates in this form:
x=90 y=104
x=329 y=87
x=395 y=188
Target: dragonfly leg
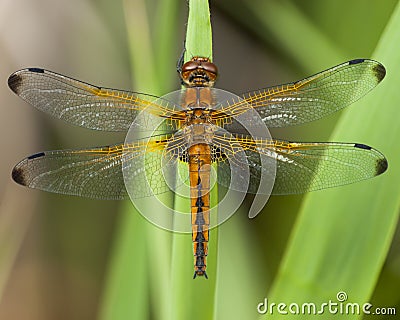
x=181 y=59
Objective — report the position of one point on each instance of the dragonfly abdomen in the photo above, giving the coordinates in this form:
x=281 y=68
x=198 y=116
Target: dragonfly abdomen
x=199 y=170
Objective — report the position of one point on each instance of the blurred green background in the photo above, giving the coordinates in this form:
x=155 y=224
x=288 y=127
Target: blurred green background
x=70 y=258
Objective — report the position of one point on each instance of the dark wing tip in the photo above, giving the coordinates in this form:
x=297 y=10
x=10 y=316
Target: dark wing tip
x=381 y=166
x=14 y=82
x=381 y=163
x=21 y=172
x=379 y=71
x=378 y=68
x=18 y=175
x=16 y=79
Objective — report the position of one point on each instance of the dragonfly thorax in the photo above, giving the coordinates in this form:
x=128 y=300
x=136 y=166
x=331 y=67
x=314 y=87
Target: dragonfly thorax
x=198 y=116
x=199 y=133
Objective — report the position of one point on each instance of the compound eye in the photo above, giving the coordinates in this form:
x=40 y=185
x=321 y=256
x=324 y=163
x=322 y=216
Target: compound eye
x=210 y=67
x=190 y=66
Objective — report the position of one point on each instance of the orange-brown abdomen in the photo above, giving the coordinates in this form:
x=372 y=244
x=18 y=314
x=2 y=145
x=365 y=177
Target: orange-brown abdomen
x=199 y=169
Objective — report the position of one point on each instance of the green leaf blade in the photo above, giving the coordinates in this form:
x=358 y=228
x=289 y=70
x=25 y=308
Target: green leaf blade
x=198 y=33
x=342 y=235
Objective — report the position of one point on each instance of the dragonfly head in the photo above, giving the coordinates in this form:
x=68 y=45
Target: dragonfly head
x=199 y=72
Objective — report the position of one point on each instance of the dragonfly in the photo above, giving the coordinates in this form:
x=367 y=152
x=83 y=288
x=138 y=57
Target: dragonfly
x=198 y=132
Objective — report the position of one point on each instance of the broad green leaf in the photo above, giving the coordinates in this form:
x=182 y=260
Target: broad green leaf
x=341 y=237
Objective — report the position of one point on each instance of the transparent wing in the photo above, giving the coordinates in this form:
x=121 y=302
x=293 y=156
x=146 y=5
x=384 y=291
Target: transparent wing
x=304 y=167
x=82 y=104
x=96 y=173
x=311 y=98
